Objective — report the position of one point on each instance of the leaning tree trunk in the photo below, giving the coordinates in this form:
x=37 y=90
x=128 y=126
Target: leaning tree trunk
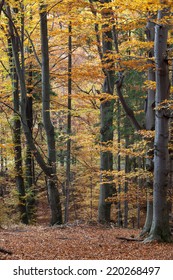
x=20 y=185
x=106 y=131
x=54 y=198
x=160 y=224
x=48 y=169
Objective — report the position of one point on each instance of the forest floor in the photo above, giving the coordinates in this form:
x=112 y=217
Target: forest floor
x=78 y=242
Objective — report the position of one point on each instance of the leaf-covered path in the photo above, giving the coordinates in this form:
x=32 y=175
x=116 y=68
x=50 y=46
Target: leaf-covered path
x=82 y=242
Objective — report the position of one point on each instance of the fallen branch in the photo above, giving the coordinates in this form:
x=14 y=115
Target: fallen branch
x=4 y=251
x=129 y=239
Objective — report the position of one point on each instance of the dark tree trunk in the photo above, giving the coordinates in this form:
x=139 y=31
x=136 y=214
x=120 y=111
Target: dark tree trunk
x=20 y=185
x=48 y=169
x=54 y=197
x=68 y=164
x=29 y=162
x=106 y=114
x=120 y=216
x=18 y=153
x=127 y=170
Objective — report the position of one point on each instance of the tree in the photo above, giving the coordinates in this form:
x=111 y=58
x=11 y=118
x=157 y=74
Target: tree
x=150 y=125
x=160 y=224
x=20 y=184
x=53 y=194
x=108 y=52
x=68 y=164
x=48 y=168
x=106 y=117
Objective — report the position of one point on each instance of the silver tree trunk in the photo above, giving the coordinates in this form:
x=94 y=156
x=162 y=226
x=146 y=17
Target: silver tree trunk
x=160 y=224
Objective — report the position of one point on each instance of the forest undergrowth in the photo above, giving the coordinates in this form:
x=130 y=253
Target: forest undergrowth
x=79 y=242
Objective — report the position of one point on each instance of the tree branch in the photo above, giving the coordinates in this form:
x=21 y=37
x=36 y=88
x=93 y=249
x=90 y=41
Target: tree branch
x=4 y=251
x=33 y=47
x=1 y=5
x=127 y=109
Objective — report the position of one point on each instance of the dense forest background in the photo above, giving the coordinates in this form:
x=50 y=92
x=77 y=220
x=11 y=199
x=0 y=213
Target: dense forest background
x=86 y=113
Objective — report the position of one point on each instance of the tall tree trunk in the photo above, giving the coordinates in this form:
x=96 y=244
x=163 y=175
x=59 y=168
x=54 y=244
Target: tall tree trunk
x=54 y=197
x=127 y=170
x=106 y=115
x=68 y=164
x=120 y=222
x=150 y=125
x=20 y=185
x=48 y=169
x=160 y=224
x=29 y=162
x=18 y=151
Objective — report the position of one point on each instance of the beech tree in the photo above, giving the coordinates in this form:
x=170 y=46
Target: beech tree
x=48 y=168
x=106 y=114
x=91 y=45
x=160 y=223
x=53 y=194
x=150 y=124
x=16 y=126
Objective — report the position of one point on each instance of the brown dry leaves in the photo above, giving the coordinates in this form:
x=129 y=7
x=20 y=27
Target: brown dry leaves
x=78 y=243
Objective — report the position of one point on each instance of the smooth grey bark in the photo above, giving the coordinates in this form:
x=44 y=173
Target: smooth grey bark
x=160 y=224
x=106 y=130
x=150 y=125
x=54 y=197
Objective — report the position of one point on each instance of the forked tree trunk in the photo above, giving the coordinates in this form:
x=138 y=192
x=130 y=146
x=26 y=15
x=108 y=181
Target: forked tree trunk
x=48 y=168
x=160 y=224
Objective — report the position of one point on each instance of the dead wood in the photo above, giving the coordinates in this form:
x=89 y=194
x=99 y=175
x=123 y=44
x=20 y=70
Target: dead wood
x=129 y=239
x=4 y=251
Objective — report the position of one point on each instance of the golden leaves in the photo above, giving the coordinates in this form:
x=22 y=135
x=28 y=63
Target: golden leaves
x=79 y=241
x=148 y=84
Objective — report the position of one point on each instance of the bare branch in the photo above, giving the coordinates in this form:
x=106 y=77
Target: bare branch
x=127 y=109
x=33 y=47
